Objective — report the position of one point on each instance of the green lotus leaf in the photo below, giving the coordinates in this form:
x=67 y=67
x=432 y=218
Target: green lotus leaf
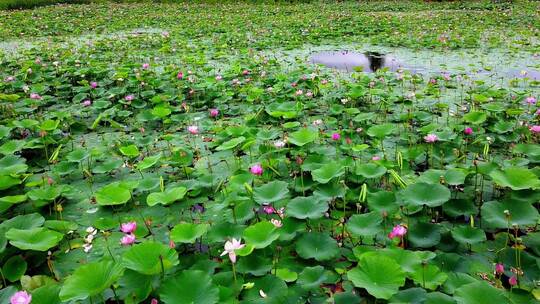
x=113 y=194
x=303 y=137
x=318 y=246
x=306 y=207
x=381 y=131
x=38 y=239
x=130 y=151
x=428 y=276
x=12 y=165
x=14 y=268
x=77 y=155
x=328 y=172
x=381 y=276
x=424 y=235
x=148 y=162
x=188 y=232
x=468 y=235
x=45 y=194
x=166 y=197
x=90 y=280
x=478 y=292
x=150 y=258
x=475 y=117
x=494 y=214
x=312 y=277
x=515 y=178
x=286 y=275
x=231 y=144
x=261 y=234
x=370 y=170
x=191 y=286
x=271 y=192
x=431 y=195
x=366 y=224
x=7 y=201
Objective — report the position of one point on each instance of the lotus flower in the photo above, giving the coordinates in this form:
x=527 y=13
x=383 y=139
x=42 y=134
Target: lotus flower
x=127 y=239
x=276 y=223
x=468 y=131
x=146 y=66
x=535 y=129
x=530 y=100
x=512 y=281
x=268 y=209
x=214 y=112
x=193 y=130
x=336 y=136
x=397 y=231
x=180 y=75
x=256 y=169
x=20 y=297
x=499 y=268
x=431 y=138
x=129 y=98
x=376 y=158
x=230 y=247
x=219 y=77
x=35 y=96
x=87 y=103
x=279 y=144
x=93 y=84
x=128 y=227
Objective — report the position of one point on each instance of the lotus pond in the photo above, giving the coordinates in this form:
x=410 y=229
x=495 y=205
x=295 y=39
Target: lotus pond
x=197 y=153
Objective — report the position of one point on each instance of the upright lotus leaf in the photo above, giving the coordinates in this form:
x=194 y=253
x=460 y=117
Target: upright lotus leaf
x=478 y=292
x=431 y=195
x=475 y=117
x=188 y=232
x=231 y=144
x=303 y=136
x=77 y=155
x=148 y=162
x=166 y=197
x=90 y=280
x=130 y=151
x=12 y=165
x=516 y=178
x=261 y=234
x=381 y=276
x=328 y=172
x=494 y=214
x=190 y=287
x=113 y=194
x=49 y=125
x=14 y=268
x=317 y=245
x=468 y=235
x=370 y=170
x=381 y=131
x=150 y=258
x=38 y=239
x=424 y=235
x=270 y=192
x=312 y=277
x=306 y=207
x=366 y=224
x=428 y=276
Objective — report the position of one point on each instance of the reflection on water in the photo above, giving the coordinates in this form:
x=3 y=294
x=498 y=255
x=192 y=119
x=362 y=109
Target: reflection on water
x=350 y=61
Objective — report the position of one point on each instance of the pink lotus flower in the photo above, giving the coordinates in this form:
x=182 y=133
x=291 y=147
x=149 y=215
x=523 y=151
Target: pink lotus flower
x=324 y=81
x=128 y=227
x=512 y=281
x=214 y=112
x=193 y=130
x=20 y=297
x=376 y=158
x=154 y=301
x=433 y=81
x=93 y=84
x=10 y=78
x=146 y=66
x=245 y=72
x=499 y=268
x=397 y=231
x=165 y=34
x=530 y=100
x=256 y=169
x=127 y=239
x=299 y=92
x=230 y=247
x=269 y=209
x=468 y=131
x=279 y=144
x=87 y=103
x=129 y=98
x=219 y=77
x=180 y=75
x=35 y=96
x=336 y=136
x=431 y=138
x=535 y=129
x=309 y=94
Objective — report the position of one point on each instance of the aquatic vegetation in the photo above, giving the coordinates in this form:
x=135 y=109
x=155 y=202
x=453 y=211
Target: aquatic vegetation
x=171 y=159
